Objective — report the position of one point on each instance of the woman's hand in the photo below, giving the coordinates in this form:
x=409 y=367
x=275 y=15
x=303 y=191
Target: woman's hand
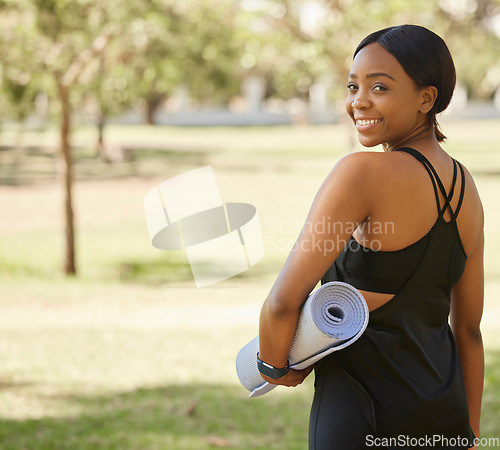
x=292 y=378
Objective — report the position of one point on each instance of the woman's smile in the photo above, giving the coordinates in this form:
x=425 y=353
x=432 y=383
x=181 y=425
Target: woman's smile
x=363 y=125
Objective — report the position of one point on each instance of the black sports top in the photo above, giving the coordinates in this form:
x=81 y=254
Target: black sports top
x=405 y=368
x=387 y=271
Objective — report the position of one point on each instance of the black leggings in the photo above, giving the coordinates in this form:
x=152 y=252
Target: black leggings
x=336 y=421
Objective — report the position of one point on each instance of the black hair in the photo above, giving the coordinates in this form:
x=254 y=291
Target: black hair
x=425 y=57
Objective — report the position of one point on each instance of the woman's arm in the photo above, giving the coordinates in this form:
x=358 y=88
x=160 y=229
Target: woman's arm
x=343 y=201
x=466 y=311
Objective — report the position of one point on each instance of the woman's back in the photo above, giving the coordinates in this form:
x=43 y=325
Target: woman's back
x=404 y=209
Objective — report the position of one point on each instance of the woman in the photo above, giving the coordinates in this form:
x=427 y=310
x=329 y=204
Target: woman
x=416 y=254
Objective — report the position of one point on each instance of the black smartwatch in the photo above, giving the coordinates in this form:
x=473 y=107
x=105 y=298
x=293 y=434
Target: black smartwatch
x=270 y=371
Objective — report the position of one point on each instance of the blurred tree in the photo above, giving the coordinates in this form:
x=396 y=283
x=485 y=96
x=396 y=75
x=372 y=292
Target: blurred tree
x=295 y=44
x=53 y=45
x=274 y=49
x=190 y=44
x=471 y=28
x=301 y=41
x=110 y=54
x=186 y=44
x=210 y=51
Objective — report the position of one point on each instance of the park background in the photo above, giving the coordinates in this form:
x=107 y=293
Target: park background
x=105 y=342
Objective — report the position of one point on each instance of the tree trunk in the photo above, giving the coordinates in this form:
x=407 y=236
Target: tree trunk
x=101 y=147
x=152 y=105
x=69 y=263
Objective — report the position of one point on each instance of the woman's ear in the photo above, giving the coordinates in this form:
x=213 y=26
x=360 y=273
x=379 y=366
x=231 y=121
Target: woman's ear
x=428 y=98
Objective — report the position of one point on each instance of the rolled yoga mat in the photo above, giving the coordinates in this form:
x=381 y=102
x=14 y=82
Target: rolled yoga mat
x=333 y=317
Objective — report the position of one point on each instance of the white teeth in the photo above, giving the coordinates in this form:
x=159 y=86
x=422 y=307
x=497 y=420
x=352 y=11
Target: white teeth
x=368 y=122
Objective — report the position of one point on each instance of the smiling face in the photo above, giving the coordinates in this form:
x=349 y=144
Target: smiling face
x=384 y=103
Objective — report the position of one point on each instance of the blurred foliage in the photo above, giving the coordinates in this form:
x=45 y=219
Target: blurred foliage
x=120 y=54
x=208 y=47
x=295 y=43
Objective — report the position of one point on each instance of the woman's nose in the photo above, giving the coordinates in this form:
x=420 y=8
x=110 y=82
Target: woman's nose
x=360 y=102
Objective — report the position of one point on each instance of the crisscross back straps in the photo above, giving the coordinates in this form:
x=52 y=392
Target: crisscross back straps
x=452 y=191
x=436 y=180
x=417 y=155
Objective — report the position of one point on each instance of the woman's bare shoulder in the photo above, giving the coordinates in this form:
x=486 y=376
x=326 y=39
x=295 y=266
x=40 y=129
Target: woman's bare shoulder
x=373 y=169
x=355 y=170
x=471 y=188
x=471 y=215
x=369 y=178
x=366 y=162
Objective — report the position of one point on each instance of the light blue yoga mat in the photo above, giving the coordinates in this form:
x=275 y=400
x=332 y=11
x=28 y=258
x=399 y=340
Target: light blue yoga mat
x=333 y=317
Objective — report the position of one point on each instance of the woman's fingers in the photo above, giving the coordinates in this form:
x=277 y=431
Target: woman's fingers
x=292 y=378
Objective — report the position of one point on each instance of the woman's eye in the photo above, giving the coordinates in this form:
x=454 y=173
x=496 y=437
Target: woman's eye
x=351 y=87
x=379 y=87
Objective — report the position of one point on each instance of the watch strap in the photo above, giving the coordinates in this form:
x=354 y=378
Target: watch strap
x=270 y=371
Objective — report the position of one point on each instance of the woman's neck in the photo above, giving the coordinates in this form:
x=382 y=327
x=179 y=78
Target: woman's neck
x=422 y=136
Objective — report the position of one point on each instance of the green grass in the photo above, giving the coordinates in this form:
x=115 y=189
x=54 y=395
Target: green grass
x=129 y=354
x=119 y=366
x=170 y=417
